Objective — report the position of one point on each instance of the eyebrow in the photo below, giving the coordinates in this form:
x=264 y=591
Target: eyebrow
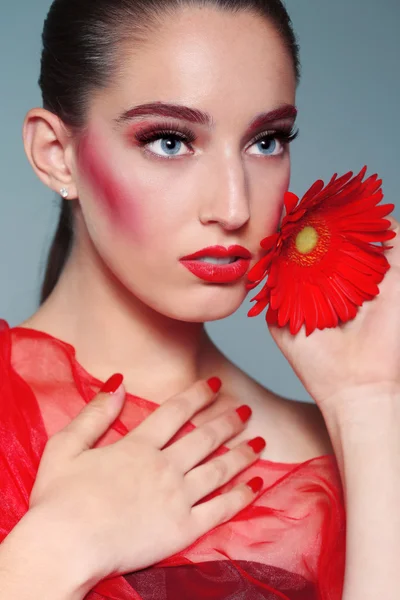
x=285 y=111
x=194 y=115
x=163 y=109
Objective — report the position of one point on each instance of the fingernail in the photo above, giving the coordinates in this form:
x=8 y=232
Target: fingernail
x=112 y=384
x=257 y=444
x=215 y=384
x=255 y=484
x=244 y=413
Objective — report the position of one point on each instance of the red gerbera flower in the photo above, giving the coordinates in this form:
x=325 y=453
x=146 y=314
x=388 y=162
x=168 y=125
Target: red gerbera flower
x=324 y=262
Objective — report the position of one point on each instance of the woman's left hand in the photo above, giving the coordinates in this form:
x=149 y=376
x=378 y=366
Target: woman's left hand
x=361 y=357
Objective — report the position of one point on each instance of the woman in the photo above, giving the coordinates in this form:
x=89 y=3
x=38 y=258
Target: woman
x=166 y=130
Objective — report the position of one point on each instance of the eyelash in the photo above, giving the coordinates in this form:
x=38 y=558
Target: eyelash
x=284 y=135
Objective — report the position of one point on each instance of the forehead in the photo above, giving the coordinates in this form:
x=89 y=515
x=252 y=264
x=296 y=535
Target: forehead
x=210 y=58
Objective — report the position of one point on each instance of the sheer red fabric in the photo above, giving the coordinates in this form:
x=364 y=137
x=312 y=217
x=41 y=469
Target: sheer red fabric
x=288 y=545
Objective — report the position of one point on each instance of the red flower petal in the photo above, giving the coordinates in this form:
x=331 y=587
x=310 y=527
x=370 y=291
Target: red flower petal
x=340 y=303
x=326 y=315
x=290 y=202
x=366 y=226
x=263 y=295
x=270 y=241
x=313 y=192
x=372 y=236
x=374 y=261
x=273 y=276
x=258 y=308
x=310 y=309
x=285 y=310
x=297 y=316
x=347 y=289
x=258 y=271
x=356 y=263
x=294 y=217
x=271 y=317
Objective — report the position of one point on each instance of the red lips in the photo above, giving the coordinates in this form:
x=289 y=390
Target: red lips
x=220 y=252
x=216 y=273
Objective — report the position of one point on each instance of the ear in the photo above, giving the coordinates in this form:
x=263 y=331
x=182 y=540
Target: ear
x=49 y=148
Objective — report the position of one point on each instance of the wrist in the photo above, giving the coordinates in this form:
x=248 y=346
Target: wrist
x=40 y=559
x=363 y=423
x=361 y=404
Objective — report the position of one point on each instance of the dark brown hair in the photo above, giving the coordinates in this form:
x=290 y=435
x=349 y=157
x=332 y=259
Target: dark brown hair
x=80 y=53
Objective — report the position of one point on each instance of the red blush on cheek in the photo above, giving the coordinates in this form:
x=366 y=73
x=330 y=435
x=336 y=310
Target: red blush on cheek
x=110 y=191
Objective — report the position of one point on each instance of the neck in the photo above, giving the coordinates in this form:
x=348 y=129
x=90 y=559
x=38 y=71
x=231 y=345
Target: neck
x=113 y=331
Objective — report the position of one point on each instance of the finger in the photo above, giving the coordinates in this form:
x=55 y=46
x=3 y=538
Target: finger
x=93 y=420
x=212 y=513
x=395 y=227
x=188 y=451
x=166 y=420
x=210 y=476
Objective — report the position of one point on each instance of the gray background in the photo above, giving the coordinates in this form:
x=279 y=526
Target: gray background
x=348 y=101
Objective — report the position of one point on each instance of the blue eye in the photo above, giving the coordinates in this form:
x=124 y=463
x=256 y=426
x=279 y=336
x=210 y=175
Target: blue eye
x=171 y=145
x=267 y=146
x=167 y=145
x=164 y=141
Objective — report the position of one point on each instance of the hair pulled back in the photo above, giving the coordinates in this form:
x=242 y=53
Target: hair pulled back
x=81 y=39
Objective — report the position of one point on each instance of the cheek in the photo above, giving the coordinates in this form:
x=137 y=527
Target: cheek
x=112 y=191
x=279 y=204
x=271 y=205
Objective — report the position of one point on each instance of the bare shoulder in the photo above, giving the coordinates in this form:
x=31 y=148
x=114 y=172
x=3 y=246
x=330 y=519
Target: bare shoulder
x=295 y=431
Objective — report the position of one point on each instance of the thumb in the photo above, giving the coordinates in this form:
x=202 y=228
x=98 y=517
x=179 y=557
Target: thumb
x=393 y=230
x=95 y=418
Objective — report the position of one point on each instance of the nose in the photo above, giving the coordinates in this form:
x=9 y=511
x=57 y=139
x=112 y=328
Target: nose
x=226 y=201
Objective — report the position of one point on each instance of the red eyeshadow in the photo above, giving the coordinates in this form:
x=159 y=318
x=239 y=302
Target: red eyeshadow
x=266 y=119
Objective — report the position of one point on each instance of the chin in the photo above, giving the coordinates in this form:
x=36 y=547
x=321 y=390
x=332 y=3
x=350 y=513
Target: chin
x=210 y=303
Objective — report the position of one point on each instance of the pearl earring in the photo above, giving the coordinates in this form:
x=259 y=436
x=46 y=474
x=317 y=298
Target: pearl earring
x=64 y=192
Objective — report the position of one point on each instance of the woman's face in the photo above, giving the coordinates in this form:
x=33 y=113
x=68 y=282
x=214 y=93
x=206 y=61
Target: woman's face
x=178 y=156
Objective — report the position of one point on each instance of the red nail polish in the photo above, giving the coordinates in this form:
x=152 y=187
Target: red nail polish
x=112 y=384
x=244 y=412
x=257 y=444
x=215 y=384
x=255 y=484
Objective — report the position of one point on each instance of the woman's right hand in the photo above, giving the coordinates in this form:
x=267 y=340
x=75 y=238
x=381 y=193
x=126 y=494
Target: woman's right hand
x=137 y=501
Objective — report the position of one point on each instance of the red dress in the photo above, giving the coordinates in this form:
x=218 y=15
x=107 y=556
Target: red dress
x=288 y=545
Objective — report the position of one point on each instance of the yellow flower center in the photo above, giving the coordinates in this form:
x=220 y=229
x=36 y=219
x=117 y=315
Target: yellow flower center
x=306 y=240
x=309 y=242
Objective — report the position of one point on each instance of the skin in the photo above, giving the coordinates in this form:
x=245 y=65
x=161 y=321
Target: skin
x=136 y=214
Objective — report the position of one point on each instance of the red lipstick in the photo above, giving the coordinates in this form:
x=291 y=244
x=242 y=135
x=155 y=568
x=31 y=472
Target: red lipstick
x=228 y=272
